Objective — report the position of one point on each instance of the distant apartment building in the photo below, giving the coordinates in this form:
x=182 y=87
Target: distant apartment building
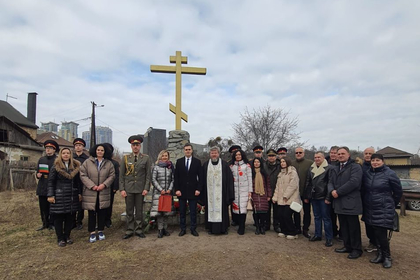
x=49 y=127
x=103 y=135
x=68 y=130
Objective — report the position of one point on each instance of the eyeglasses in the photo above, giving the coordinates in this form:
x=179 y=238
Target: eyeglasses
x=299 y=153
x=271 y=155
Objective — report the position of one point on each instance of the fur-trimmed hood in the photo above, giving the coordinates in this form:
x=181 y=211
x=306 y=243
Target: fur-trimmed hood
x=69 y=173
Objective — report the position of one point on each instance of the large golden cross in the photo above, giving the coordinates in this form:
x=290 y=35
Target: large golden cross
x=178 y=59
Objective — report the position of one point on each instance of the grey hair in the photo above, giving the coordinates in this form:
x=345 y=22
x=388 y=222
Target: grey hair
x=303 y=149
x=214 y=148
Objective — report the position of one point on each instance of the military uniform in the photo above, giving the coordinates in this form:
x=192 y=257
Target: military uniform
x=134 y=179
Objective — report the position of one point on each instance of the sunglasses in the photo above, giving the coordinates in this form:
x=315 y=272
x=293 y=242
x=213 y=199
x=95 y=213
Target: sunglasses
x=271 y=155
x=258 y=152
x=299 y=153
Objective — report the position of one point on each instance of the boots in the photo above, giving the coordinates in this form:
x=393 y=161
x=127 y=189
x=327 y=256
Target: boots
x=160 y=233
x=257 y=225
x=387 y=263
x=262 y=230
x=379 y=257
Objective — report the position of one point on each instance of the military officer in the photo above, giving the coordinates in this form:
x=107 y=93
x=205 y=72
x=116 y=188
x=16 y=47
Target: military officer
x=135 y=175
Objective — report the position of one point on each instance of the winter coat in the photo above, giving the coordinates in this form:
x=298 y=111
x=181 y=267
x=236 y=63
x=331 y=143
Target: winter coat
x=347 y=183
x=44 y=166
x=272 y=171
x=287 y=187
x=162 y=179
x=64 y=186
x=381 y=192
x=260 y=202
x=80 y=158
x=366 y=166
x=91 y=176
x=242 y=184
x=317 y=182
x=302 y=166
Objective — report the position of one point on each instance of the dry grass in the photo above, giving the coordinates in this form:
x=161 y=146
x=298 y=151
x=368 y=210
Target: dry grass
x=27 y=254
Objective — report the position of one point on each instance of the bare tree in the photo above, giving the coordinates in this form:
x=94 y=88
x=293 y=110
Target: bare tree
x=268 y=127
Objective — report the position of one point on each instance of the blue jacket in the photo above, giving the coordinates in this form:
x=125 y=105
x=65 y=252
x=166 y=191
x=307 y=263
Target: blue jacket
x=381 y=192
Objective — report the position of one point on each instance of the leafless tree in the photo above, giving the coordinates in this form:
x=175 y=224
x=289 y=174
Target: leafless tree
x=268 y=127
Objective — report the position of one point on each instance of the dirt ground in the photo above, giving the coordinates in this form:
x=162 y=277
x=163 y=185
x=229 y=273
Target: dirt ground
x=28 y=254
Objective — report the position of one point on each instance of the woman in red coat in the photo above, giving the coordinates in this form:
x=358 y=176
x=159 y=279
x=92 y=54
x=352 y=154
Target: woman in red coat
x=261 y=194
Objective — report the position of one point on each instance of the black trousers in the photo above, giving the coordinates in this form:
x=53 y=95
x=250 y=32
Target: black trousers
x=306 y=217
x=78 y=217
x=240 y=219
x=286 y=222
x=96 y=218
x=108 y=215
x=272 y=207
x=44 y=207
x=260 y=219
x=336 y=231
x=370 y=233
x=183 y=213
x=350 y=232
x=380 y=235
x=63 y=224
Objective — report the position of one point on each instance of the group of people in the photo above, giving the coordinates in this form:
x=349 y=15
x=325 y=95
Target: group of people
x=71 y=183
x=335 y=186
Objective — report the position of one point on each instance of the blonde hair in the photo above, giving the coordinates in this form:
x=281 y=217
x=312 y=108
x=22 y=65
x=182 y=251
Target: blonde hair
x=161 y=154
x=73 y=164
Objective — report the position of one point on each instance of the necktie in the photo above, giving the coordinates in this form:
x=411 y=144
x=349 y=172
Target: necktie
x=341 y=166
x=135 y=158
x=186 y=165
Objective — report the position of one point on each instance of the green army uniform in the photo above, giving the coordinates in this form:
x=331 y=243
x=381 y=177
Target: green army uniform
x=135 y=177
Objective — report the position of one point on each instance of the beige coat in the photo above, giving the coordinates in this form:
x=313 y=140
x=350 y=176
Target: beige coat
x=287 y=187
x=91 y=177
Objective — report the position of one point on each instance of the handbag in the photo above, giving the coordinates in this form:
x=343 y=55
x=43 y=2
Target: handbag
x=296 y=206
x=249 y=206
x=165 y=203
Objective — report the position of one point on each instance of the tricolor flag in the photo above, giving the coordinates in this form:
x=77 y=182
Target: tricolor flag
x=43 y=168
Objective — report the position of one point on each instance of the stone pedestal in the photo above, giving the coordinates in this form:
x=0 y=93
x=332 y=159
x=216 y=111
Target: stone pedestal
x=176 y=141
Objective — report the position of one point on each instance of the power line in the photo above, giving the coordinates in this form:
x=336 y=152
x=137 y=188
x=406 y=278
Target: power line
x=113 y=128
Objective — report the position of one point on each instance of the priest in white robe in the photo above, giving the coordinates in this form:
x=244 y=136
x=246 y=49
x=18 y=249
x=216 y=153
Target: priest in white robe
x=217 y=193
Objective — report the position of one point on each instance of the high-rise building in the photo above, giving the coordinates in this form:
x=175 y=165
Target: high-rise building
x=49 y=127
x=103 y=135
x=68 y=130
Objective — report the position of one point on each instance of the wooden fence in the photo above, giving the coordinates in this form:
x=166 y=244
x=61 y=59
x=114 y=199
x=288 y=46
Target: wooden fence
x=17 y=175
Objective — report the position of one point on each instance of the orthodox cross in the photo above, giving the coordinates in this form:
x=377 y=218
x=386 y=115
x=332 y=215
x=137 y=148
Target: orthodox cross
x=178 y=59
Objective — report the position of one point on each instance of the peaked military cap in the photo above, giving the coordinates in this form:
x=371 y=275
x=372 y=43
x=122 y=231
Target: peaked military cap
x=258 y=148
x=51 y=143
x=271 y=152
x=79 y=141
x=234 y=148
x=282 y=150
x=135 y=139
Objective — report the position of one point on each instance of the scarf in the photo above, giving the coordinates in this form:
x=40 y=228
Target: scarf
x=166 y=164
x=259 y=183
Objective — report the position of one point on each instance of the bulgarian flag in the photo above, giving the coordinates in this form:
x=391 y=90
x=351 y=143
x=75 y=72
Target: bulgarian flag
x=43 y=168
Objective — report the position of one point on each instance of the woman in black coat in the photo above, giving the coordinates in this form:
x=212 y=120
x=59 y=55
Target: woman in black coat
x=381 y=192
x=64 y=194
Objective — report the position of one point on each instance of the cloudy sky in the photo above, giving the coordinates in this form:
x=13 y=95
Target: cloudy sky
x=348 y=70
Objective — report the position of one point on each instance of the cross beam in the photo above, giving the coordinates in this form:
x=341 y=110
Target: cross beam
x=178 y=69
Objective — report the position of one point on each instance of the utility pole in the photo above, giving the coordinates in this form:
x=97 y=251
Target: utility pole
x=93 y=125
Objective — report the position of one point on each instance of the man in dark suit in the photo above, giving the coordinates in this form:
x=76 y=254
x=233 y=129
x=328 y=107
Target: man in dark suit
x=187 y=187
x=344 y=185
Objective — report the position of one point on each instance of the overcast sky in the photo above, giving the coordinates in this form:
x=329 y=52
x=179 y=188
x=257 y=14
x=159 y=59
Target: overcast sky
x=348 y=70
